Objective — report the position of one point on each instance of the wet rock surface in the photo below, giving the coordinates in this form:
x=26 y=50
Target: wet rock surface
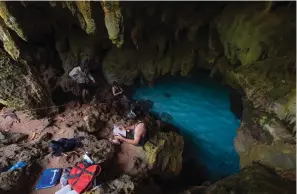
x=164 y=152
x=264 y=140
x=255 y=178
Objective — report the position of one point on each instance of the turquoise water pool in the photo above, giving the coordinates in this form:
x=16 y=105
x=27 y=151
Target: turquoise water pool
x=200 y=107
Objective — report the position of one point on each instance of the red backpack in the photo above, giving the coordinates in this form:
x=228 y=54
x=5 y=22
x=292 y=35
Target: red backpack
x=81 y=176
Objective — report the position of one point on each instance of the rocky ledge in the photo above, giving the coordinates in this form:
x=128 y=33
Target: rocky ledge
x=125 y=167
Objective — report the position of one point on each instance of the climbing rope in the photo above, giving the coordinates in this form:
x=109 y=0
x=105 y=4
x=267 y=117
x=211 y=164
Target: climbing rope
x=25 y=110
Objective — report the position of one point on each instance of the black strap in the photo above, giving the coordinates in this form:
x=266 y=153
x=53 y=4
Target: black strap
x=139 y=122
x=79 y=174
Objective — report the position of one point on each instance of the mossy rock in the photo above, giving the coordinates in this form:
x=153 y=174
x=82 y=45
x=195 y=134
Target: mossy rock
x=262 y=45
x=250 y=36
x=114 y=22
x=278 y=155
x=9 y=43
x=253 y=179
x=21 y=87
x=10 y=21
x=85 y=9
x=121 y=66
x=164 y=152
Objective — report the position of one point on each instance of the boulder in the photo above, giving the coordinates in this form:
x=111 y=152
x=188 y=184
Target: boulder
x=123 y=184
x=100 y=150
x=164 y=152
x=93 y=123
x=277 y=129
x=7 y=138
x=278 y=155
x=266 y=140
x=11 y=180
x=256 y=179
x=13 y=153
x=103 y=151
x=19 y=180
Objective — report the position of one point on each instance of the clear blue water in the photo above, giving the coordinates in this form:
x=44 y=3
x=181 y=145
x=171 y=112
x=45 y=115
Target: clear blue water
x=200 y=108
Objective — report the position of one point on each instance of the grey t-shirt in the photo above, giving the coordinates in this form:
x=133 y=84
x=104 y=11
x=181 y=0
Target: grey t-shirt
x=79 y=76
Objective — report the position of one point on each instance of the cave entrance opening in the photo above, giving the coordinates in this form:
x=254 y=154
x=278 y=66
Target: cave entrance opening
x=201 y=108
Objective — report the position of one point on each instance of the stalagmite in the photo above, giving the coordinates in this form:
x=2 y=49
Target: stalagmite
x=114 y=21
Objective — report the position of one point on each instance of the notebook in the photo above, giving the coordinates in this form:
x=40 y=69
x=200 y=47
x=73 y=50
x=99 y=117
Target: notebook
x=49 y=178
x=117 y=131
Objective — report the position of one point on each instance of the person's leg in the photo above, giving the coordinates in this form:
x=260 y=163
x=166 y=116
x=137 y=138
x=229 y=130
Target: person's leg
x=126 y=102
x=81 y=89
x=85 y=95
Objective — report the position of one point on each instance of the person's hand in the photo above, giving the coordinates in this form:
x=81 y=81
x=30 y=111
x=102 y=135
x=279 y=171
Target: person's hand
x=121 y=127
x=119 y=137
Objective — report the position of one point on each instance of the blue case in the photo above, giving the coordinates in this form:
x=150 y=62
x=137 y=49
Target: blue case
x=49 y=178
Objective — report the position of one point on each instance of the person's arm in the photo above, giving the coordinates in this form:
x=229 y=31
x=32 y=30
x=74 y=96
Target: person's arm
x=134 y=141
x=127 y=128
x=73 y=72
x=91 y=78
x=114 y=92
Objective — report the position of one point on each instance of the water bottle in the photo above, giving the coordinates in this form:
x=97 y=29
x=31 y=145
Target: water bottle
x=20 y=164
x=87 y=158
x=64 y=177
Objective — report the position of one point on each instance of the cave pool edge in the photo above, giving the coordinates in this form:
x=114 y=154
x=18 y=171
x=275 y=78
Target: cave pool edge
x=200 y=107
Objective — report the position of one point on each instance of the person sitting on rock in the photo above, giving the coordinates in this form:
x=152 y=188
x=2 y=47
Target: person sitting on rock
x=117 y=91
x=136 y=133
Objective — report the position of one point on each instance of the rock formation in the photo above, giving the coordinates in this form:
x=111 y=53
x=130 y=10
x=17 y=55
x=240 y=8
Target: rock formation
x=254 y=178
x=21 y=86
x=114 y=21
x=164 y=153
x=250 y=45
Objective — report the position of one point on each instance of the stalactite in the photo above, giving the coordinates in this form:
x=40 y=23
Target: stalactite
x=8 y=42
x=114 y=21
x=71 y=6
x=84 y=8
x=268 y=6
x=11 y=21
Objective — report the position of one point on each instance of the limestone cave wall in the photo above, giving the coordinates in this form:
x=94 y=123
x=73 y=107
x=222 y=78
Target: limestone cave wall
x=252 y=45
